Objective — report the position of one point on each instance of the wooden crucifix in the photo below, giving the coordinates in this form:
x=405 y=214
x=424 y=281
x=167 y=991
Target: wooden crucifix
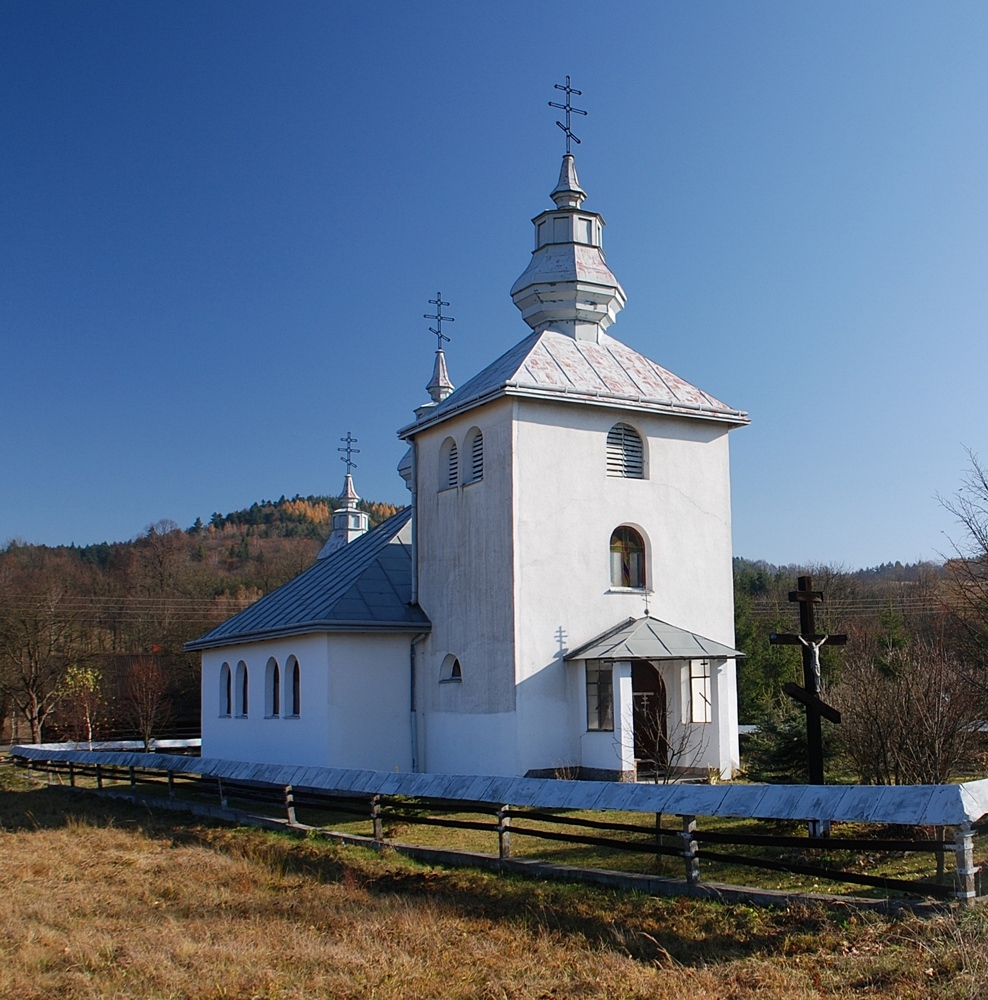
x=809 y=694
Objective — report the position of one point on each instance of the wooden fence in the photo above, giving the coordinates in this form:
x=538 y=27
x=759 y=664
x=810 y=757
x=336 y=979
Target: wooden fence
x=685 y=841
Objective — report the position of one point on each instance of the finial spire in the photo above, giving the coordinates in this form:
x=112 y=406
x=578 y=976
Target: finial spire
x=440 y=386
x=348 y=521
x=569 y=109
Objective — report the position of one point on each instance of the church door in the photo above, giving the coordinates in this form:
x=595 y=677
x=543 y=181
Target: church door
x=651 y=738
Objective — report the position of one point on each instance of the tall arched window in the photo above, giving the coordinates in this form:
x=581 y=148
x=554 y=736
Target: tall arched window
x=625 y=453
x=475 y=455
x=449 y=465
x=272 y=688
x=627 y=558
x=296 y=675
x=226 y=690
x=242 y=701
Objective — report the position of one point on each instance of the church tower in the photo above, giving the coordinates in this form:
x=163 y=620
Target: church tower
x=571 y=489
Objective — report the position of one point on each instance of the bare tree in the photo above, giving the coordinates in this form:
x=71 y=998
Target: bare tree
x=967 y=571
x=908 y=712
x=145 y=704
x=40 y=638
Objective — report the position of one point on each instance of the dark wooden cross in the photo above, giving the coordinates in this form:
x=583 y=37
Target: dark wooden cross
x=809 y=694
x=569 y=109
x=440 y=319
x=349 y=441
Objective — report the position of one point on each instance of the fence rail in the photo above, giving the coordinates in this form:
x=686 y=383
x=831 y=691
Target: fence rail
x=506 y=821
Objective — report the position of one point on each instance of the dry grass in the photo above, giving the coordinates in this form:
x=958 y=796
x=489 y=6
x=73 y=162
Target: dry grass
x=107 y=901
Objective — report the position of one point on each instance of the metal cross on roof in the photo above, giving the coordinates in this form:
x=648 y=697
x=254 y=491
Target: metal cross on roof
x=349 y=441
x=569 y=109
x=440 y=319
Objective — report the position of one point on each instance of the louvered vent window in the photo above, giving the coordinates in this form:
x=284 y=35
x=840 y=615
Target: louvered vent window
x=625 y=454
x=452 y=466
x=477 y=457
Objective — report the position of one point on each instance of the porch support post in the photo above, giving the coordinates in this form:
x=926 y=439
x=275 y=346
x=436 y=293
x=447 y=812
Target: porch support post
x=624 y=719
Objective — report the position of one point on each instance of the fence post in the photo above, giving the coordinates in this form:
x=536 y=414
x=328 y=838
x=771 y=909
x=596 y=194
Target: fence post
x=689 y=850
x=964 y=863
x=171 y=785
x=503 y=833
x=376 y=818
x=290 y=805
x=133 y=779
x=99 y=776
x=219 y=786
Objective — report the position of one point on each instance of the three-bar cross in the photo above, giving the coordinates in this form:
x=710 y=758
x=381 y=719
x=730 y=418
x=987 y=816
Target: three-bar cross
x=809 y=694
x=349 y=441
x=440 y=319
x=569 y=109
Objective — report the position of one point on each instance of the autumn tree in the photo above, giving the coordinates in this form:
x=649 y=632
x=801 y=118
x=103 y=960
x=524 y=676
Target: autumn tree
x=146 y=705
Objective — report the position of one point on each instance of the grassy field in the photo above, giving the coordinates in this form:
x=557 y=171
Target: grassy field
x=106 y=900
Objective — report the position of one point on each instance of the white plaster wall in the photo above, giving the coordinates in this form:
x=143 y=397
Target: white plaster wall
x=565 y=509
x=354 y=711
x=369 y=707
x=258 y=739
x=464 y=542
x=471 y=743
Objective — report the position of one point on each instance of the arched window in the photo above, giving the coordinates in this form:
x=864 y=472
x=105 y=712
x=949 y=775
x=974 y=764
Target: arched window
x=242 y=701
x=625 y=453
x=272 y=688
x=296 y=675
x=475 y=455
x=627 y=558
x=449 y=465
x=226 y=690
x=450 y=670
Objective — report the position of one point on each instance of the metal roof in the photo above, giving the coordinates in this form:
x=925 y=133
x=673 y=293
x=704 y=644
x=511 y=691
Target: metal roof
x=608 y=373
x=364 y=586
x=915 y=805
x=650 y=639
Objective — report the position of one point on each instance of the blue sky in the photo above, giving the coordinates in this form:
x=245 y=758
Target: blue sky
x=222 y=223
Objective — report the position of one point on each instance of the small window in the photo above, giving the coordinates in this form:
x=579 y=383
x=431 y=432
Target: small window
x=226 y=690
x=560 y=229
x=296 y=675
x=449 y=465
x=272 y=689
x=451 y=670
x=625 y=454
x=600 y=696
x=475 y=455
x=700 y=709
x=627 y=559
x=586 y=229
x=242 y=690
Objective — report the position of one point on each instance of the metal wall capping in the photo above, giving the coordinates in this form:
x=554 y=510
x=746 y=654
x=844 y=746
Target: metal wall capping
x=915 y=805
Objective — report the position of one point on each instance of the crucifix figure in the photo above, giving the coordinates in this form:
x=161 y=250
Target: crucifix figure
x=809 y=694
x=569 y=109
x=440 y=319
x=349 y=441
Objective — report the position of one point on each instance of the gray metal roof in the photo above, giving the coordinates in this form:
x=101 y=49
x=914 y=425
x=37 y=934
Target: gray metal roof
x=362 y=587
x=915 y=805
x=650 y=639
x=607 y=373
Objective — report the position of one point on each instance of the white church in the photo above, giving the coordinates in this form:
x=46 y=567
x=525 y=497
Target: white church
x=557 y=597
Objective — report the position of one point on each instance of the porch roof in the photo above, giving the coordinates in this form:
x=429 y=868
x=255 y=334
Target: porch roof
x=650 y=639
